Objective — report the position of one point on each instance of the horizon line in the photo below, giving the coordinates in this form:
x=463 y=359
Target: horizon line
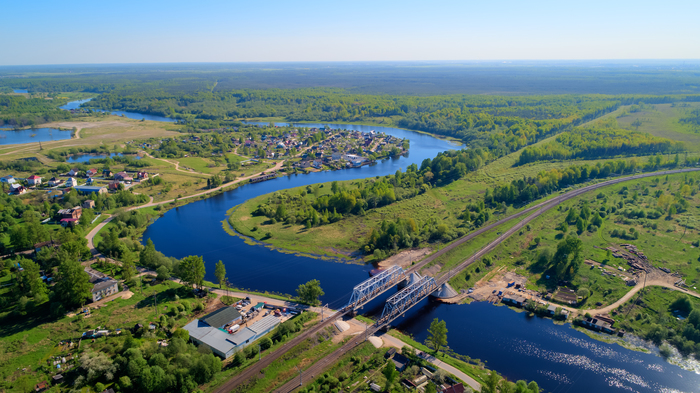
x=500 y=61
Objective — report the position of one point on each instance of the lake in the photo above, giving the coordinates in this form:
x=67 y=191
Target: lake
x=9 y=136
x=559 y=358
x=130 y=115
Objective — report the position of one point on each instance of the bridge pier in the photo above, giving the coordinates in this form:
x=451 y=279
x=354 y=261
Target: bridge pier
x=445 y=292
x=412 y=279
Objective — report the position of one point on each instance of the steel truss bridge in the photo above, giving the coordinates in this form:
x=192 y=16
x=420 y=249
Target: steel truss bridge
x=367 y=290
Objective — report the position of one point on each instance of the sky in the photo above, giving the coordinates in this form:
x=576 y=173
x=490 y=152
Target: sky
x=148 y=31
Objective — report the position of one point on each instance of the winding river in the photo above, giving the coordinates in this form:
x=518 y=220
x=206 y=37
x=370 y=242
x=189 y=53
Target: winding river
x=558 y=357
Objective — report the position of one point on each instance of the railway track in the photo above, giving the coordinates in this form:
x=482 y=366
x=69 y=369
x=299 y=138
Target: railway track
x=539 y=209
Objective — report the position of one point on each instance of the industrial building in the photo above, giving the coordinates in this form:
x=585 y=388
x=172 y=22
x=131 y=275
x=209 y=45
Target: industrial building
x=209 y=331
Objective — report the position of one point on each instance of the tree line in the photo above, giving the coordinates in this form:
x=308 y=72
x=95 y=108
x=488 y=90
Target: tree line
x=528 y=189
x=589 y=143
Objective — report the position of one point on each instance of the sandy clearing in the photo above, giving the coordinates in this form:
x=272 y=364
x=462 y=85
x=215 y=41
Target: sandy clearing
x=404 y=259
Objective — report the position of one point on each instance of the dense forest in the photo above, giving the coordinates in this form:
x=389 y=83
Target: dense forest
x=528 y=189
x=589 y=143
x=402 y=78
x=20 y=111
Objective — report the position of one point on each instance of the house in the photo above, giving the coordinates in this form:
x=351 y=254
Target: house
x=514 y=300
x=90 y=189
x=113 y=185
x=336 y=155
x=599 y=323
x=74 y=172
x=34 y=180
x=9 y=179
x=50 y=243
x=56 y=379
x=304 y=164
x=66 y=222
x=458 y=388
x=318 y=164
x=107 y=173
x=53 y=182
x=75 y=212
x=400 y=361
x=41 y=386
x=123 y=176
x=89 y=203
x=71 y=182
x=17 y=189
x=104 y=287
x=91 y=172
x=142 y=175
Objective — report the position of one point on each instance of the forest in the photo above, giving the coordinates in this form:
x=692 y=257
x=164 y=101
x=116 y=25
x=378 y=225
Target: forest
x=402 y=78
x=526 y=190
x=20 y=111
x=591 y=143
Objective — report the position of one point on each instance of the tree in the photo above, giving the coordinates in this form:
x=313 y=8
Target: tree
x=310 y=292
x=437 y=334
x=390 y=373
x=147 y=256
x=220 y=273
x=192 y=270
x=163 y=273
x=128 y=269
x=73 y=286
x=491 y=383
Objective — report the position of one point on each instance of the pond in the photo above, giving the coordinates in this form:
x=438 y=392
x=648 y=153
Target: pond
x=9 y=136
x=88 y=157
x=20 y=91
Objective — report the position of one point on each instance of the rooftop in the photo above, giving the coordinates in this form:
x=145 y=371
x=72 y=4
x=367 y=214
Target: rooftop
x=221 y=317
x=103 y=283
x=213 y=337
x=265 y=324
x=242 y=336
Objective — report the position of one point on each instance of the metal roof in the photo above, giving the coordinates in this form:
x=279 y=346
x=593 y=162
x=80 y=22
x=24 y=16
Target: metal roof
x=221 y=317
x=210 y=336
x=242 y=336
x=105 y=283
x=265 y=324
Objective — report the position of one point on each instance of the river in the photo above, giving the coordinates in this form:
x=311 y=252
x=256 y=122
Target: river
x=558 y=357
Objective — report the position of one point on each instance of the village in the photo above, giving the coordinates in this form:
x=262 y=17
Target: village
x=312 y=148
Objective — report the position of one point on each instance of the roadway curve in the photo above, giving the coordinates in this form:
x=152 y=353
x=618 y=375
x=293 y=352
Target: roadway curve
x=319 y=366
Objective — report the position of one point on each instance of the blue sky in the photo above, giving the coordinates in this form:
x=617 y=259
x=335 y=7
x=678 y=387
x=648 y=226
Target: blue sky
x=126 y=31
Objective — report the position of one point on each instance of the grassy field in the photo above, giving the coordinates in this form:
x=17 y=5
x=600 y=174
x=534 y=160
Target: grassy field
x=668 y=245
x=663 y=120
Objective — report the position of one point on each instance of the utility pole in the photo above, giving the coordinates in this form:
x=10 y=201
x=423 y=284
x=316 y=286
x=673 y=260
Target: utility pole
x=155 y=299
x=259 y=352
x=300 y=381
